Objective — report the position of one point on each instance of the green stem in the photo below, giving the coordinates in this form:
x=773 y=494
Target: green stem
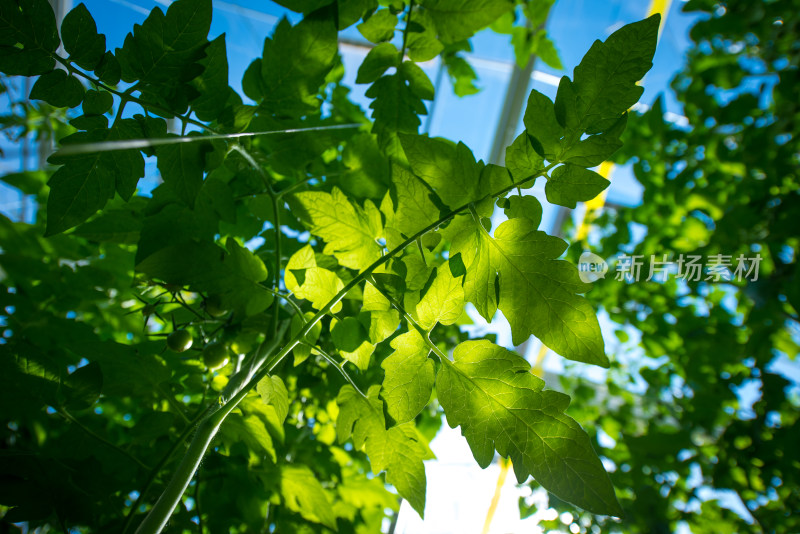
x=339 y=367
x=173 y=403
x=294 y=187
x=288 y=299
x=413 y=322
x=127 y=96
x=405 y=30
x=276 y=306
x=157 y=469
x=160 y=513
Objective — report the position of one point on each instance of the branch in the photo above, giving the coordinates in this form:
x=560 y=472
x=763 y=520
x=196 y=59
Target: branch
x=126 y=96
x=160 y=513
x=276 y=306
x=339 y=366
x=157 y=469
x=412 y=322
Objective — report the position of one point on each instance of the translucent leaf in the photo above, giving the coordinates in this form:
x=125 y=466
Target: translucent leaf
x=570 y=184
x=349 y=231
x=537 y=291
x=399 y=451
x=500 y=405
x=409 y=377
x=302 y=493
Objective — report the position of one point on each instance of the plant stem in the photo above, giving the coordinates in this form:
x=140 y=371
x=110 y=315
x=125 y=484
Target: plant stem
x=411 y=321
x=339 y=367
x=162 y=510
x=288 y=299
x=276 y=306
x=157 y=469
x=126 y=95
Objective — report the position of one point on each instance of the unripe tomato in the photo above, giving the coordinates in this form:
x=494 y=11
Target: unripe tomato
x=215 y=355
x=179 y=341
x=214 y=307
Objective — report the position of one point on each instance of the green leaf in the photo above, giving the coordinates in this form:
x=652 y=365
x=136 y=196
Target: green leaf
x=85 y=46
x=302 y=351
x=382 y=324
x=546 y=50
x=236 y=275
x=213 y=83
x=182 y=167
x=569 y=184
x=301 y=492
x=537 y=291
x=251 y=431
x=109 y=69
x=349 y=231
x=443 y=302
x=415 y=210
x=367 y=174
x=457 y=20
x=395 y=108
x=522 y=160
x=347 y=334
x=449 y=169
x=319 y=285
x=527 y=207
x=500 y=405
x=462 y=75
x=421 y=40
x=379 y=27
x=604 y=85
x=399 y=451
x=378 y=60
x=86 y=182
x=294 y=64
x=58 y=89
x=418 y=81
x=542 y=125
x=409 y=377
x=97 y=102
x=595 y=149
x=164 y=49
x=273 y=393
x=28 y=37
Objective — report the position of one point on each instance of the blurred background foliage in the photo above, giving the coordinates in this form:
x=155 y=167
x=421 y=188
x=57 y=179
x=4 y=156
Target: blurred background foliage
x=700 y=427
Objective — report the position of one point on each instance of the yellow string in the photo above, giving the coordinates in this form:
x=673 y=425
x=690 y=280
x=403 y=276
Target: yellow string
x=501 y=480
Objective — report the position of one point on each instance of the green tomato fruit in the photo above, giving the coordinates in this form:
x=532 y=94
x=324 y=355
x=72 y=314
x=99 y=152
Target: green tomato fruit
x=179 y=341
x=215 y=355
x=214 y=307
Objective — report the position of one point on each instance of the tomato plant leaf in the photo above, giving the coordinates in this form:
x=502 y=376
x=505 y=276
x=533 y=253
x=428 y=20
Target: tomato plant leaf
x=349 y=231
x=85 y=46
x=537 y=291
x=500 y=405
x=457 y=20
x=302 y=493
x=28 y=37
x=399 y=451
x=409 y=377
x=570 y=184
